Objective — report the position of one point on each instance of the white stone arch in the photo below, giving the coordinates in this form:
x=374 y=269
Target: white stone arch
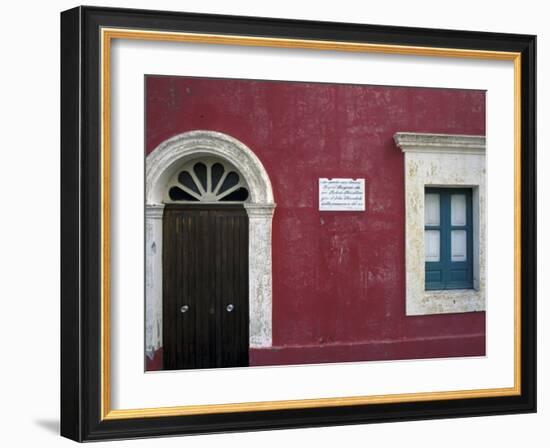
x=160 y=166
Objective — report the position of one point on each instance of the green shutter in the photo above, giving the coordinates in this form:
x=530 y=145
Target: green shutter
x=446 y=273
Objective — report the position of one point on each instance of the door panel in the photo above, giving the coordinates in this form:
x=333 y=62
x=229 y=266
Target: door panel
x=205 y=269
x=232 y=288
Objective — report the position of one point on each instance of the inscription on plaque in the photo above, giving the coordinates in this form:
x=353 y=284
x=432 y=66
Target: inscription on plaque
x=341 y=194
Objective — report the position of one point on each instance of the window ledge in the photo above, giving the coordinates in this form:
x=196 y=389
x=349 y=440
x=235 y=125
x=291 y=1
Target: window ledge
x=449 y=301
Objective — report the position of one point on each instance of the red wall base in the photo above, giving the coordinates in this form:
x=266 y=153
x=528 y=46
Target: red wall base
x=154 y=363
x=420 y=348
x=441 y=347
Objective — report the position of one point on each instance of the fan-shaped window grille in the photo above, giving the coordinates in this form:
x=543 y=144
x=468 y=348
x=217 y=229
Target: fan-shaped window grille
x=208 y=180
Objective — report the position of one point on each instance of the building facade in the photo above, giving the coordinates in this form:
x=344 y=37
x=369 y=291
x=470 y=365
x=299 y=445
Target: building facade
x=402 y=279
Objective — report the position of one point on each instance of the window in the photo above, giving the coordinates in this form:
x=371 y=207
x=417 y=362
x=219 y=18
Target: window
x=448 y=238
x=444 y=165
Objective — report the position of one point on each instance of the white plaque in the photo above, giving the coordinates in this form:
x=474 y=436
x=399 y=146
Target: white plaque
x=341 y=194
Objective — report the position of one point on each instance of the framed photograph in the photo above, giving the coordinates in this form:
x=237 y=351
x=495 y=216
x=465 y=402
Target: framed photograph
x=272 y=223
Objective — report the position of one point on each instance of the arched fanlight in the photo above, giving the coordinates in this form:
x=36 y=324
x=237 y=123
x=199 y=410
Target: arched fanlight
x=207 y=180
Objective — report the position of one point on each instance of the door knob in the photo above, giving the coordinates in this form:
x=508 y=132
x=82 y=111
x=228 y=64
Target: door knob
x=229 y=307
x=184 y=308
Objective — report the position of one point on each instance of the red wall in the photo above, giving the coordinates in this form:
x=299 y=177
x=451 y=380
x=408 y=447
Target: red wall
x=338 y=277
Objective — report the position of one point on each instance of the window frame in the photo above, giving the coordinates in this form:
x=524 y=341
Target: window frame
x=445 y=264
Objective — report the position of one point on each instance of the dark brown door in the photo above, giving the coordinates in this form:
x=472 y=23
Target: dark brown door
x=205 y=286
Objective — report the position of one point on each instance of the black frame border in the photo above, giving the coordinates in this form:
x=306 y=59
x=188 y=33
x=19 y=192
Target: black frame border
x=81 y=223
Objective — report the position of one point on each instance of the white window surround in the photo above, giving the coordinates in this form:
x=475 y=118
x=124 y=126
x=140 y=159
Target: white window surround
x=442 y=160
x=160 y=167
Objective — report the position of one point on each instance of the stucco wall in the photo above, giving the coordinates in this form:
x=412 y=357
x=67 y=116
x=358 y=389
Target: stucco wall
x=338 y=277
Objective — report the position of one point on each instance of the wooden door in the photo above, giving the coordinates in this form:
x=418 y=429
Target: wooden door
x=205 y=286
